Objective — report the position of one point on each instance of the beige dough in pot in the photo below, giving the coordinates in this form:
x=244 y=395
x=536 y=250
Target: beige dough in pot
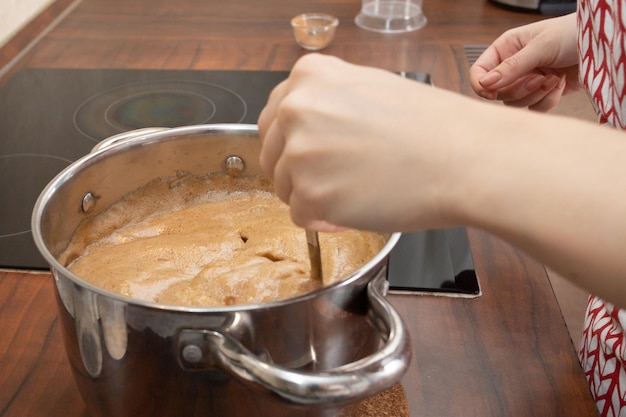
x=210 y=241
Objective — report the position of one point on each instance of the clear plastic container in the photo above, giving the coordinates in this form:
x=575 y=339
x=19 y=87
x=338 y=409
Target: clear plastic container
x=391 y=16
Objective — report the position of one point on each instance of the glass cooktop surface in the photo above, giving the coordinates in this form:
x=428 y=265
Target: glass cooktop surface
x=52 y=117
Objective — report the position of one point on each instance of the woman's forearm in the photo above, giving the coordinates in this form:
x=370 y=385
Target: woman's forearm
x=554 y=187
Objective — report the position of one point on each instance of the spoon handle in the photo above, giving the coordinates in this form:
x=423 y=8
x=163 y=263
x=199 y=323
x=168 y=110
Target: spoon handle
x=314 y=254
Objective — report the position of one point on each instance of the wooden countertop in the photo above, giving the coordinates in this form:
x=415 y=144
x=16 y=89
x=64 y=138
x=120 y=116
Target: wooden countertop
x=506 y=353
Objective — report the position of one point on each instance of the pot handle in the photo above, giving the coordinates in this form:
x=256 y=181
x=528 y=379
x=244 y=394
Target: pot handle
x=347 y=383
x=124 y=136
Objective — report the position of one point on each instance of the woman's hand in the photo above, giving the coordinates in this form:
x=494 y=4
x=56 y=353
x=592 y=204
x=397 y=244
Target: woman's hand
x=340 y=142
x=530 y=66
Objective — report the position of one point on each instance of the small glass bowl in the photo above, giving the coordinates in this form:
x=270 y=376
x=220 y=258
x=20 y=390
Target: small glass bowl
x=314 y=31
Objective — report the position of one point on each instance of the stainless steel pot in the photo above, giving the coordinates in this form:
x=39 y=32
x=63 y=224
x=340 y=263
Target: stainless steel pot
x=306 y=356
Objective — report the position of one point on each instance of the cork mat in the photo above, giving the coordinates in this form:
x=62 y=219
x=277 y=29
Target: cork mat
x=390 y=403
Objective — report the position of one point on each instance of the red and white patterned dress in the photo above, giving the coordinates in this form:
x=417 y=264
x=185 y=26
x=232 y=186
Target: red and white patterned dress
x=602 y=48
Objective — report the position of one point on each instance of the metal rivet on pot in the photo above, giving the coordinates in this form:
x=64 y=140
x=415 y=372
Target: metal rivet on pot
x=234 y=165
x=89 y=202
x=192 y=354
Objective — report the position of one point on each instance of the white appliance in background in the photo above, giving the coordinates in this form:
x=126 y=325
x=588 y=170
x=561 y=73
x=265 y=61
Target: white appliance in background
x=549 y=7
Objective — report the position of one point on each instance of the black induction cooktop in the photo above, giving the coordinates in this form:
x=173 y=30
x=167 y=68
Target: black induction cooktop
x=51 y=117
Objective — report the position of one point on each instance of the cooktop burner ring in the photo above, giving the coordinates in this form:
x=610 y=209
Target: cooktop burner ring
x=36 y=171
x=166 y=103
x=155 y=108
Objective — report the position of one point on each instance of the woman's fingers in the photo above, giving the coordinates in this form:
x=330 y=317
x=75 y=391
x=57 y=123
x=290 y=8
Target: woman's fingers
x=269 y=112
x=551 y=99
x=537 y=92
x=273 y=141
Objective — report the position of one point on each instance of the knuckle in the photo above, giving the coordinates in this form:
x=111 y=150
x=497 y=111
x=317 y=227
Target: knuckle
x=511 y=63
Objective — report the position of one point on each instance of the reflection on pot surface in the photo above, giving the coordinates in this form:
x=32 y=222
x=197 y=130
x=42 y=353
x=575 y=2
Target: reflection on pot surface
x=308 y=355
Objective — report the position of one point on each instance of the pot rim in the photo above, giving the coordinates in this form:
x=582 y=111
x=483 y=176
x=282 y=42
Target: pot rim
x=120 y=144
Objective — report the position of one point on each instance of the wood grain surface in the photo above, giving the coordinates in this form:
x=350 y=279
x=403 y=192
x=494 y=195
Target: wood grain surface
x=243 y=34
